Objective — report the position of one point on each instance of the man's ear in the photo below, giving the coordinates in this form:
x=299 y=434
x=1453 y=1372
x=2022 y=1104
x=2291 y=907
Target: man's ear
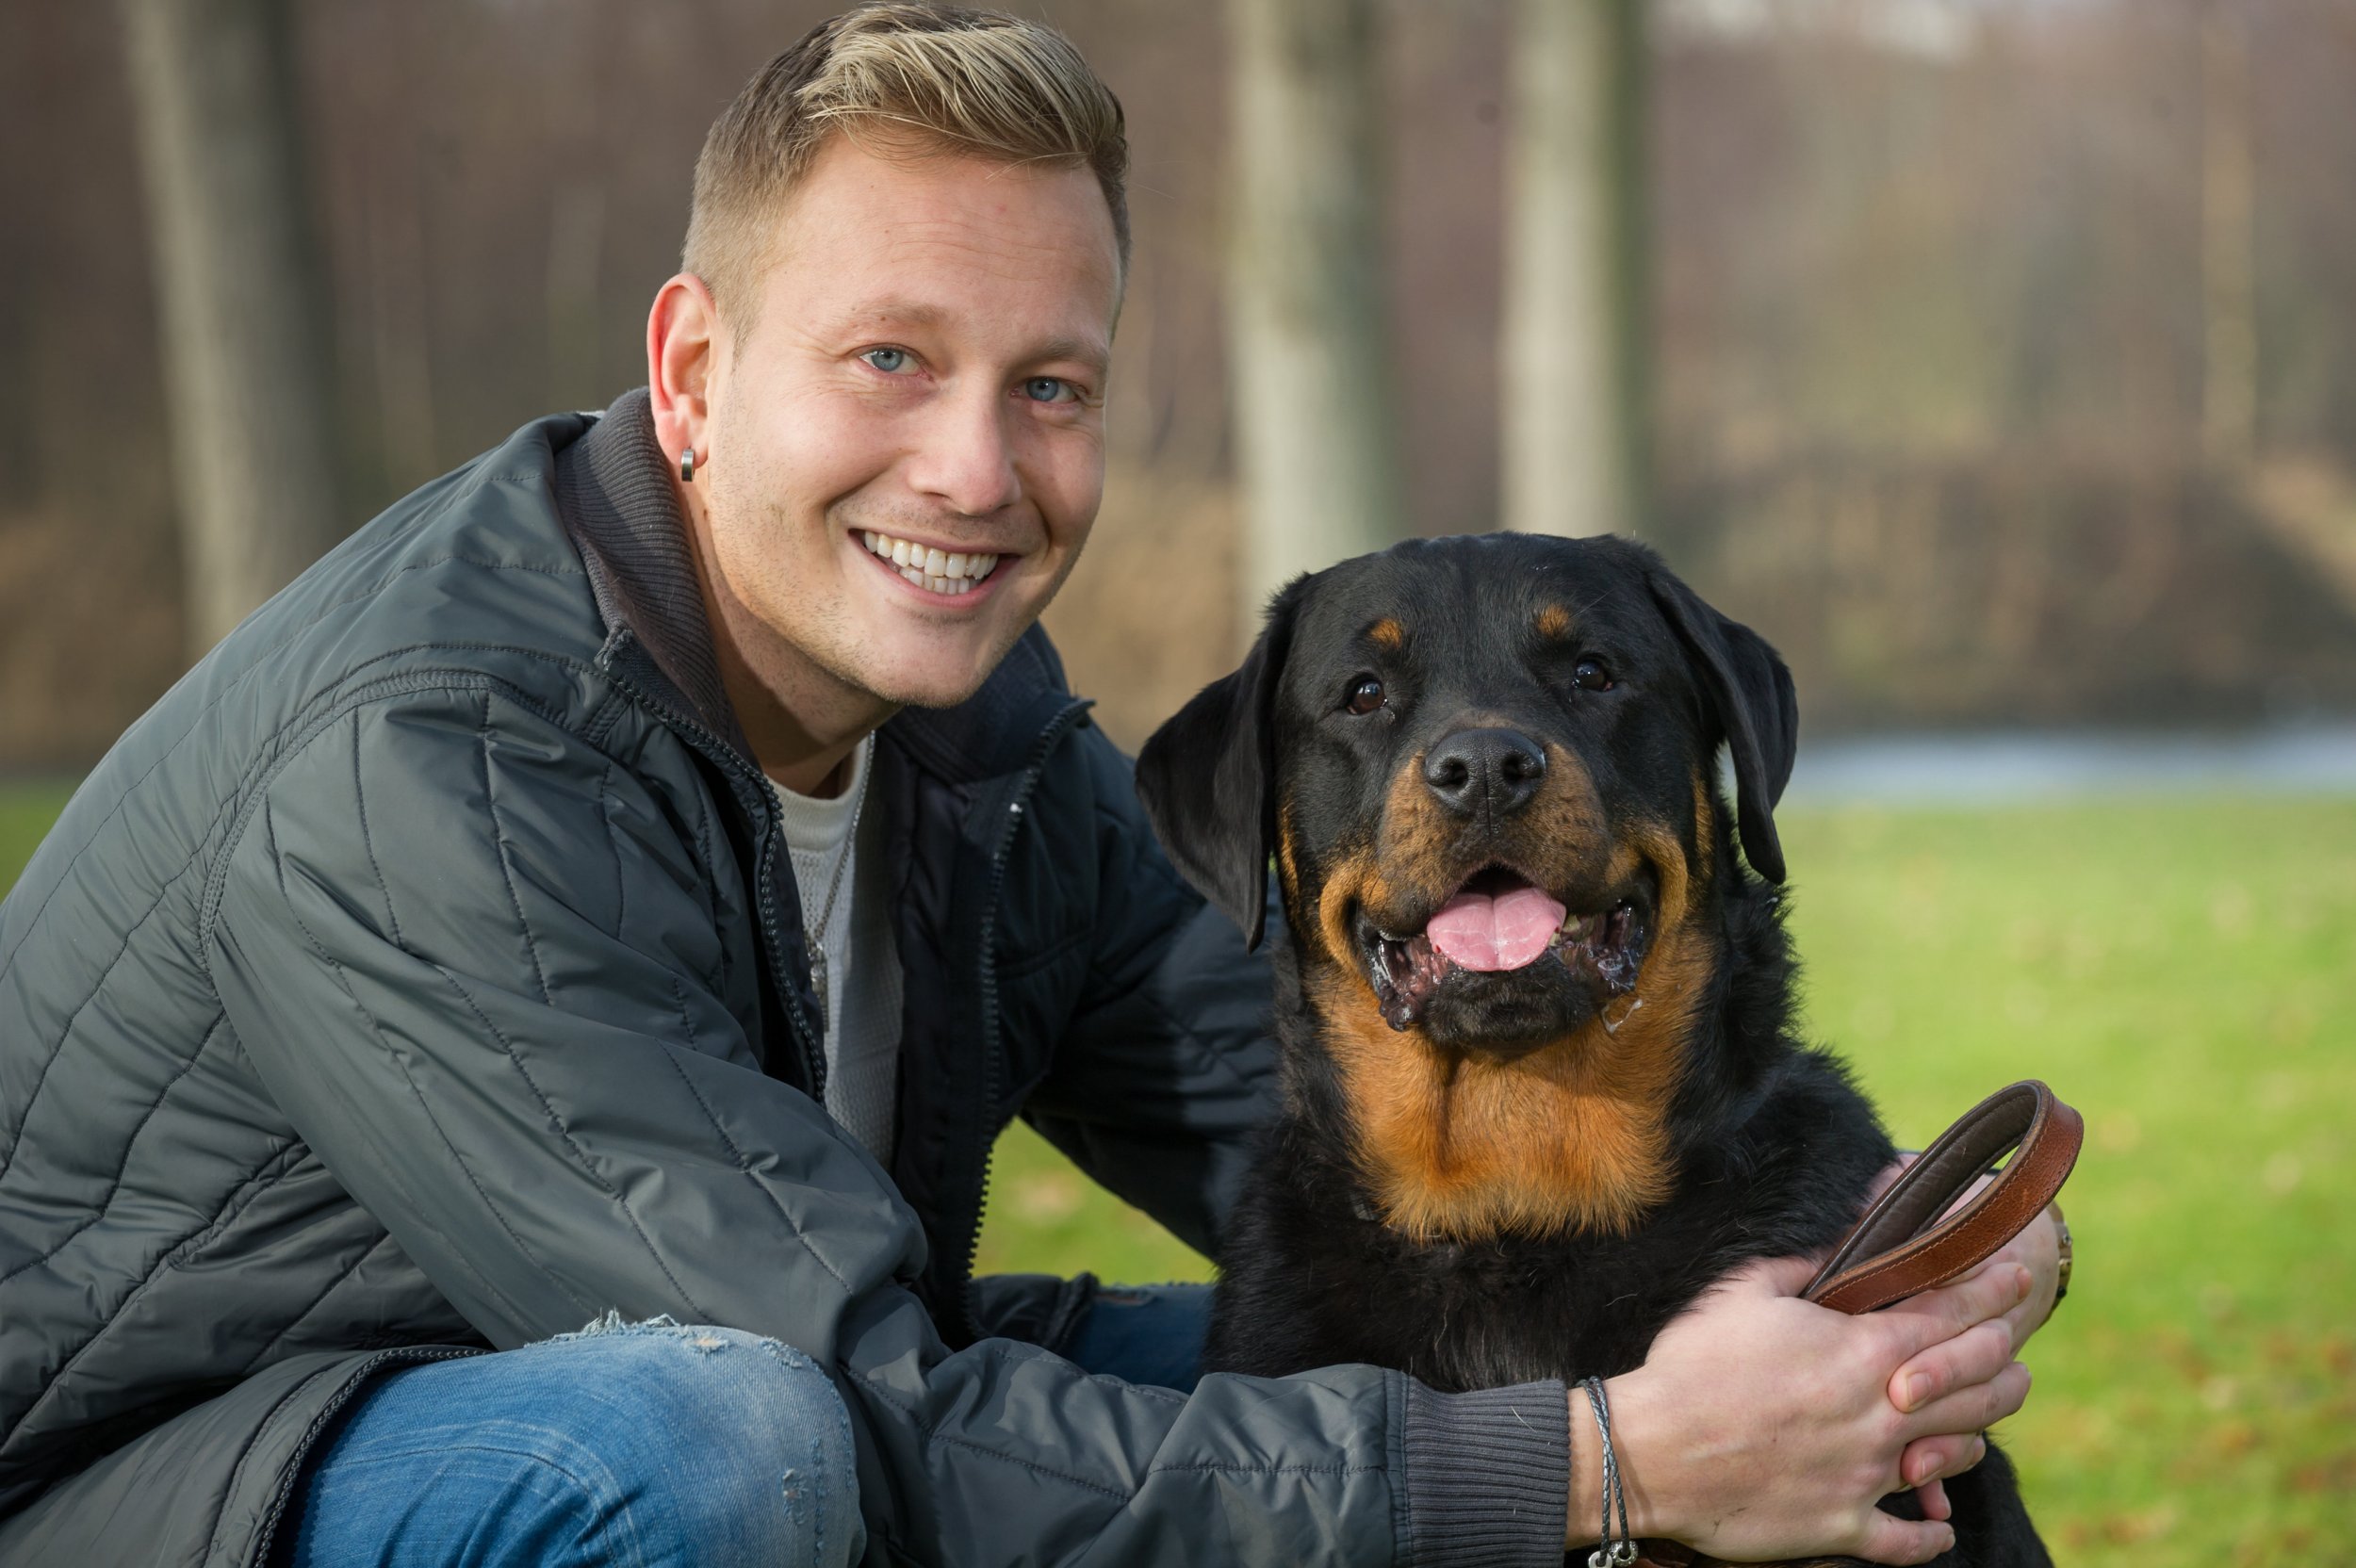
x=1749 y=694
x=1207 y=779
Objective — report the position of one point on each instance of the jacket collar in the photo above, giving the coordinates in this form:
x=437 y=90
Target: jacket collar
x=614 y=493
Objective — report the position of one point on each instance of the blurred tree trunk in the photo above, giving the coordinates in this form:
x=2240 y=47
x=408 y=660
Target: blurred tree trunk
x=1308 y=334
x=241 y=298
x=1577 y=396
x=2229 y=273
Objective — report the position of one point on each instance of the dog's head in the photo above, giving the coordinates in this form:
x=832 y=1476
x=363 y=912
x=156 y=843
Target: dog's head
x=1486 y=769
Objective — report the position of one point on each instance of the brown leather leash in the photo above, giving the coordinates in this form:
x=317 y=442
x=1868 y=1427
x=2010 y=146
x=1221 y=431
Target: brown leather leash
x=1903 y=1247
x=1903 y=1244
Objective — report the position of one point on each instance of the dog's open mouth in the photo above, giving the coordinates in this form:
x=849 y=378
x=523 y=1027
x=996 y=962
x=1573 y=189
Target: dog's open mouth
x=1498 y=923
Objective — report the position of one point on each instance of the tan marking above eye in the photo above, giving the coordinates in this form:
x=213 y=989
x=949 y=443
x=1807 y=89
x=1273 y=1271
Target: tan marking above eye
x=1553 y=621
x=1388 y=634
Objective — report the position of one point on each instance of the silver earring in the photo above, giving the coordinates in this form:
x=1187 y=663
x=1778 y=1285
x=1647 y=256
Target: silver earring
x=687 y=466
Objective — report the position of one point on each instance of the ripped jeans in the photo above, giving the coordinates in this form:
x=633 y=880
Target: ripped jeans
x=634 y=1445
x=640 y=1446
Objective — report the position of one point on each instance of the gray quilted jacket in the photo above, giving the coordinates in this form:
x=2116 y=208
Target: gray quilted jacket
x=423 y=975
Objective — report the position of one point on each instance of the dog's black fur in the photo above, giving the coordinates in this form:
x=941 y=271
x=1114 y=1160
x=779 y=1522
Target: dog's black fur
x=1625 y=683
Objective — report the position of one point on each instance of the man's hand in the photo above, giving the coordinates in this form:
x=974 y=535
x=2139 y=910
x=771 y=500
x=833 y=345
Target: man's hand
x=1927 y=1377
x=1762 y=1427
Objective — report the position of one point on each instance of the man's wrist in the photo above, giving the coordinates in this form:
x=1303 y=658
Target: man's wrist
x=1644 y=1456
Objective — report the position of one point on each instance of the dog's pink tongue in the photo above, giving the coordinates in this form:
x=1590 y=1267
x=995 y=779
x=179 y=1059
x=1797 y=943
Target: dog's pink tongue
x=1481 y=931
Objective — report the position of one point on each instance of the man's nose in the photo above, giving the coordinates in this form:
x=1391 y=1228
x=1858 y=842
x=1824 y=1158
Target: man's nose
x=965 y=458
x=1492 y=770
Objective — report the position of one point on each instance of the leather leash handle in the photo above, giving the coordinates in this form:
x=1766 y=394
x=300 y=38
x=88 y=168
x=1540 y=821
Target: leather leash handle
x=1902 y=1246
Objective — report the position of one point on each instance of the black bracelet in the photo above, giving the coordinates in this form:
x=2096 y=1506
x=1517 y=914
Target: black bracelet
x=1609 y=1553
x=2061 y=1281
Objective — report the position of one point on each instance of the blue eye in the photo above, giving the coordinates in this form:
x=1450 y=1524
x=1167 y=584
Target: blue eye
x=890 y=361
x=1048 y=389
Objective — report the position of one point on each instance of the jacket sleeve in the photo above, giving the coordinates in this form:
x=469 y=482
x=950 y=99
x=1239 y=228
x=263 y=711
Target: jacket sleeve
x=1167 y=1074
x=474 y=961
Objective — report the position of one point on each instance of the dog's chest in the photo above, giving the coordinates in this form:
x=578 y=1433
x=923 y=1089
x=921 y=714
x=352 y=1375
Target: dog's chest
x=1487 y=1313
x=1315 y=1280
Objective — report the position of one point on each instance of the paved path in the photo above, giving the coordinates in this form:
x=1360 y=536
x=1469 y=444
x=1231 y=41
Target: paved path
x=1988 y=769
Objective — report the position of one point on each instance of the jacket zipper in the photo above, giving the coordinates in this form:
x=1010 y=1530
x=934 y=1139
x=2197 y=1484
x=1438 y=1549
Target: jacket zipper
x=814 y=1057
x=813 y=1049
x=993 y=1046
x=360 y=1375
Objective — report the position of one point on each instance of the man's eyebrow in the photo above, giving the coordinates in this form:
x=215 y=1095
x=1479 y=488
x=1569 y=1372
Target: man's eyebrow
x=908 y=312
x=1094 y=354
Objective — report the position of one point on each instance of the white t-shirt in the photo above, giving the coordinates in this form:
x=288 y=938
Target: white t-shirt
x=863 y=999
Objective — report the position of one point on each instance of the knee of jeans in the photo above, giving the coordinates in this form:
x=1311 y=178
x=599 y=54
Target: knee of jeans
x=754 y=1441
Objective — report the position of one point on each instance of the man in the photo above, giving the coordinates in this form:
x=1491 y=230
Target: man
x=628 y=885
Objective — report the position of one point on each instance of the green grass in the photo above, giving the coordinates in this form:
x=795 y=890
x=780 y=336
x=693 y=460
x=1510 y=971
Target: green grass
x=2186 y=973
x=26 y=813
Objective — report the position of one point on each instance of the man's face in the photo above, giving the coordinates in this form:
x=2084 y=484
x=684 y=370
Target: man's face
x=924 y=382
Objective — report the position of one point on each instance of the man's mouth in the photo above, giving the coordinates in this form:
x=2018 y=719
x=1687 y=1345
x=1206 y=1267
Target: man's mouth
x=937 y=570
x=1496 y=924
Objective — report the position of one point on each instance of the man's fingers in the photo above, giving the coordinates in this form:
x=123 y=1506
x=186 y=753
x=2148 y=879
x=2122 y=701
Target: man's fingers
x=1921 y=1321
x=1931 y=1498
x=1931 y=1460
x=1974 y=1409
x=1890 y=1539
x=1973 y=1356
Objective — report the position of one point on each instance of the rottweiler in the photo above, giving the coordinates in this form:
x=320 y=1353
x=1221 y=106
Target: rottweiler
x=1541 y=1084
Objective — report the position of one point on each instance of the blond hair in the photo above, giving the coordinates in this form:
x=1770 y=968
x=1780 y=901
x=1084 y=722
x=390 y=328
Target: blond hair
x=900 y=77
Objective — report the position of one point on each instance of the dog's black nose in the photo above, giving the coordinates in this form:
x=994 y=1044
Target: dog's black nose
x=1492 y=770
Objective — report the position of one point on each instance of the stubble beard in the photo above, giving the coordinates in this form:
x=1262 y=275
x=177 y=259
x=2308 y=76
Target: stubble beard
x=806 y=643
x=800 y=644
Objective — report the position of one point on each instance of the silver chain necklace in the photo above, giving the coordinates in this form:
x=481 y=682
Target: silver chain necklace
x=814 y=936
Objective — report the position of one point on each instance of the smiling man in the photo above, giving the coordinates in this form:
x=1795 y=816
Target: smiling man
x=500 y=1065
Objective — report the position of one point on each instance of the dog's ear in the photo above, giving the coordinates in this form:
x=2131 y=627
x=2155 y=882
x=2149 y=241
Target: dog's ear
x=1207 y=777
x=1745 y=684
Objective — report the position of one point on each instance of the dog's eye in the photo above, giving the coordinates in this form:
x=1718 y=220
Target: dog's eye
x=1591 y=676
x=1365 y=696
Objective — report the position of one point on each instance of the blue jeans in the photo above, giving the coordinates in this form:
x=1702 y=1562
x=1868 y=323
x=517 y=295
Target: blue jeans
x=634 y=1444
x=1145 y=1335
x=638 y=1445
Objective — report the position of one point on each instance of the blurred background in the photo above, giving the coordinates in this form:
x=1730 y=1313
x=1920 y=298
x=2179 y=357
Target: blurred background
x=1996 y=358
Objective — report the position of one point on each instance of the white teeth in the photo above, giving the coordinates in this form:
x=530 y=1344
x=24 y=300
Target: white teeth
x=938 y=571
